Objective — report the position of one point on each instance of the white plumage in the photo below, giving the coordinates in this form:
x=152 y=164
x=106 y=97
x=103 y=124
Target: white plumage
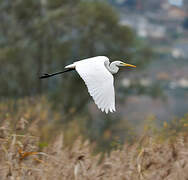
x=99 y=81
x=97 y=75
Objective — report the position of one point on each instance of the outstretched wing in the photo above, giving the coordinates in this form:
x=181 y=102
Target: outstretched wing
x=99 y=81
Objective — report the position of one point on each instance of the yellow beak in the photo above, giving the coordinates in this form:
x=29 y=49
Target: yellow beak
x=130 y=65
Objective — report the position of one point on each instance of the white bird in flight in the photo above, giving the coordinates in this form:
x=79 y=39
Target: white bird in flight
x=97 y=73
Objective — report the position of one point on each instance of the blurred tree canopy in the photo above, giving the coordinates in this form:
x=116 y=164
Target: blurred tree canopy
x=39 y=36
x=43 y=36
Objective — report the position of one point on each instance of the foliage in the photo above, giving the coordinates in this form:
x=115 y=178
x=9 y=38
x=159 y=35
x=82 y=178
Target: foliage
x=24 y=156
x=47 y=35
x=167 y=130
x=175 y=127
x=38 y=36
x=37 y=117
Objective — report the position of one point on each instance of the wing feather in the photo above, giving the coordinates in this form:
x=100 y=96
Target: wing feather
x=99 y=81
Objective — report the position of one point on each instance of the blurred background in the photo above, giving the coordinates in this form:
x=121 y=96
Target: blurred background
x=42 y=36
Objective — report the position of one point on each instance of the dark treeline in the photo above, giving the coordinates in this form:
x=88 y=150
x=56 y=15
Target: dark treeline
x=42 y=36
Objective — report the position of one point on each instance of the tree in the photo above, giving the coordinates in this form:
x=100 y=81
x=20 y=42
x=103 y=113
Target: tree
x=44 y=36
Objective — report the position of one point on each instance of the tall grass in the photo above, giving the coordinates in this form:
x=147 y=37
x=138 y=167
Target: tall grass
x=28 y=152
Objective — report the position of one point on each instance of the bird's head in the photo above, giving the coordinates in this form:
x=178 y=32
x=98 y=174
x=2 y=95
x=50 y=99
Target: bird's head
x=120 y=63
x=114 y=66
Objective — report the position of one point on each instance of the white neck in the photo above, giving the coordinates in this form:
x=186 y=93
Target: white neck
x=112 y=67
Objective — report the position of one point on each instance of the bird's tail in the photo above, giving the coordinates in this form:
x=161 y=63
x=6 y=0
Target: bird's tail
x=54 y=74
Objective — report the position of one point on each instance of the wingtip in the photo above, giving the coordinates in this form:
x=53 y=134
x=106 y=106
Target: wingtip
x=112 y=110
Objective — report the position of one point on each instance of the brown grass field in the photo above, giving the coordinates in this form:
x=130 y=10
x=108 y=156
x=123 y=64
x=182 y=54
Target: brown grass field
x=23 y=157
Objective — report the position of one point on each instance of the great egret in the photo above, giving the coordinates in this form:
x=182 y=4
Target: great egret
x=97 y=75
